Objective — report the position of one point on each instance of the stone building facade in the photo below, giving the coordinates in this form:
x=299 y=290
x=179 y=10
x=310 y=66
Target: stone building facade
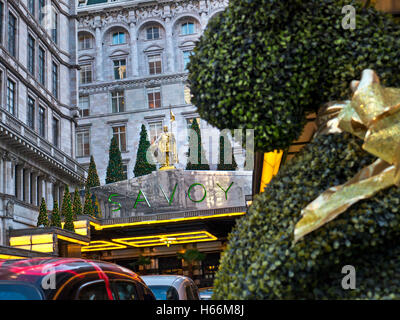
x=38 y=108
x=132 y=56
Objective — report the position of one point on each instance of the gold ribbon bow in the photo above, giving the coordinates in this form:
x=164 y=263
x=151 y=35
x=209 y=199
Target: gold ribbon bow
x=373 y=115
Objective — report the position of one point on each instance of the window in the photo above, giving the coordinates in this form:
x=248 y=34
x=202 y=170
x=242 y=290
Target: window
x=126 y=290
x=31 y=7
x=189 y=125
x=56 y=130
x=119 y=69
x=42 y=11
x=54 y=75
x=95 y=291
x=186 y=58
x=86 y=74
x=164 y=292
x=154 y=98
x=30 y=117
x=187 y=28
x=155 y=131
x=42 y=122
x=155 y=64
x=85 y=42
x=118 y=38
x=54 y=26
x=42 y=64
x=120 y=134
x=11 y=94
x=82 y=144
x=118 y=101
x=31 y=55
x=1 y=21
x=153 y=33
x=12 y=31
x=84 y=104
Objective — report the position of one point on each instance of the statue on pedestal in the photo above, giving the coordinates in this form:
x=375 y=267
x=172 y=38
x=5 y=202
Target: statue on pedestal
x=167 y=146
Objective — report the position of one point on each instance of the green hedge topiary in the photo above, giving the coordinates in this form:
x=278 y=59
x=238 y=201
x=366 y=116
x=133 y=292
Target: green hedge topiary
x=262 y=64
x=260 y=261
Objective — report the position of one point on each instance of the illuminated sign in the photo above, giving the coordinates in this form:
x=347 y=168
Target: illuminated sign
x=102 y=245
x=141 y=197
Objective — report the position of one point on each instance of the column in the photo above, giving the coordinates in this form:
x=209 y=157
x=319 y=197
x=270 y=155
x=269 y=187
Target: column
x=20 y=182
x=9 y=175
x=99 y=55
x=41 y=187
x=27 y=184
x=61 y=194
x=134 y=49
x=2 y=174
x=34 y=188
x=56 y=192
x=170 y=46
x=49 y=191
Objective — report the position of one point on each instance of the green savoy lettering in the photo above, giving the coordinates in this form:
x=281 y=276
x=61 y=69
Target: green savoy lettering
x=141 y=196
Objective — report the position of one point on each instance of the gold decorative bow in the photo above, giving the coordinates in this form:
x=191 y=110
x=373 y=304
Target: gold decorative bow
x=373 y=115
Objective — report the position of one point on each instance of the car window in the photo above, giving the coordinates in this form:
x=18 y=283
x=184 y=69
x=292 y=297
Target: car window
x=146 y=292
x=13 y=291
x=126 y=290
x=93 y=291
x=164 y=292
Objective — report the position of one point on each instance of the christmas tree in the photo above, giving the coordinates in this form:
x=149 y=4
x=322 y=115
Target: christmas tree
x=42 y=218
x=96 y=207
x=55 y=216
x=92 y=178
x=142 y=166
x=77 y=205
x=200 y=151
x=88 y=209
x=66 y=211
x=222 y=165
x=115 y=171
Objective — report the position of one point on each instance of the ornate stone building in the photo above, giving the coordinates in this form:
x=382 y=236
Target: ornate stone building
x=133 y=57
x=38 y=108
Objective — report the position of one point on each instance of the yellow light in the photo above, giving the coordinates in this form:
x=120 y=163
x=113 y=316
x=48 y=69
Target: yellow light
x=23 y=247
x=6 y=256
x=43 y=247
x=20 y=241
x=102 y=245
x=80 y=224
x=99 y=227
x=72 y=240
x=272 y=161
x=81 y=231
x=42 y=238
x=167 y=239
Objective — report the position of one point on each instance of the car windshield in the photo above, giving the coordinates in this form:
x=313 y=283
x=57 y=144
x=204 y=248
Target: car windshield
x=12 y=291
x=165 y=292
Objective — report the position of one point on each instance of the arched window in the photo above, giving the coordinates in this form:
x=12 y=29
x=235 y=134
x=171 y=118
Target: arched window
x=153 y=33
x=187 y=28
x=85 y=41
x=119 y=37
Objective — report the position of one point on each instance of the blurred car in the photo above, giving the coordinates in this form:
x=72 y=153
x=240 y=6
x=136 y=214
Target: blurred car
x=69 y=279
x=205 y=293
x=171 y=287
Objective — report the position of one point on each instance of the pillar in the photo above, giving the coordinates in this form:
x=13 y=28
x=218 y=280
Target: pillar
x=34 y=183
x=20 y=182
x=170 y=46
x=134 y=49
x=27 y=184
x=99 y=55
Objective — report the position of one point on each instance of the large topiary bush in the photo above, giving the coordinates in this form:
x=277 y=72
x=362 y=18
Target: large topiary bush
x=260 y=261
x=262 y=64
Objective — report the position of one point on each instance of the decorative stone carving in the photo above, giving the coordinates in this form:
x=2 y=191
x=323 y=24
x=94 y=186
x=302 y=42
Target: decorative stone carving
x=10 y=209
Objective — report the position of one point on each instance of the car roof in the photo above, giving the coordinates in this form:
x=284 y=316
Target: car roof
x=34 y=269
x=164 y=280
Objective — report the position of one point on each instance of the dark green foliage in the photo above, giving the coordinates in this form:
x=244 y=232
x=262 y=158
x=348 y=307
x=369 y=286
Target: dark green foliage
x=200 y=152
x=92 y=178
x=260 y=261
x=77 y=204
x=43 y=219
x=66 y=211
x=88 y=209
x=262 y=64
x=115 y=170
x=55 y=216
x=142 y=166
x=221 y=164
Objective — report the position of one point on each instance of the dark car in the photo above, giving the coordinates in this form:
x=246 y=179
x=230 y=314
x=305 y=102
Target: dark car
x=69 y=279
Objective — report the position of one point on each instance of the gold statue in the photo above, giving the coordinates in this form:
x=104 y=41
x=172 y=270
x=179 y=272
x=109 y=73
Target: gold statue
x=167 y=145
